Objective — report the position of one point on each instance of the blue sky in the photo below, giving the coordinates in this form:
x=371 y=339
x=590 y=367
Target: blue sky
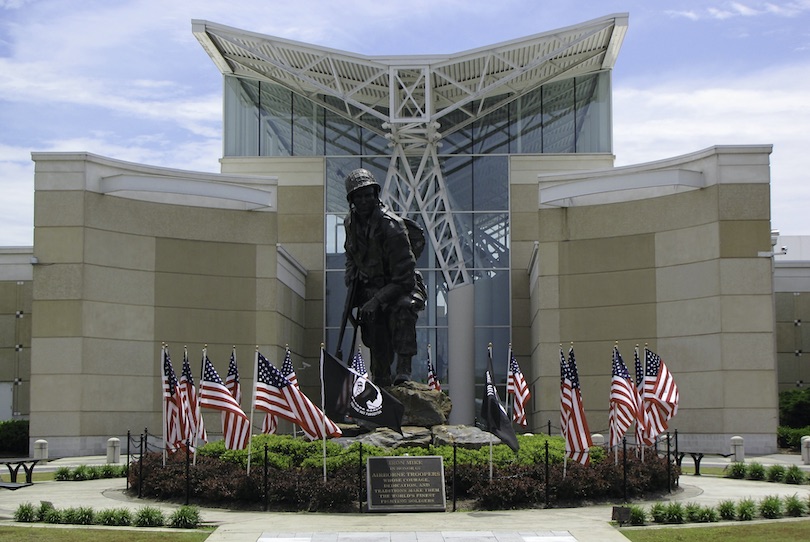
x=128 y=80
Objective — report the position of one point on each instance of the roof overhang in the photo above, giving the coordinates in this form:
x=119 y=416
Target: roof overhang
x=420 y=88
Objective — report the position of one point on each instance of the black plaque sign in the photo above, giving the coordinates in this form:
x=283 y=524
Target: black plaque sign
x=405 y=484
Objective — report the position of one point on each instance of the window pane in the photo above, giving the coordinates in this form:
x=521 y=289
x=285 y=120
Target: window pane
x=342 y=136
x=459 y=141
x=529 y=119
x=458 y=178
x=558 y=117
x=241 y=117
x=307 y=127
x=275 y=105
x=593 y=113
x=491 y=239
x=490 y=183
x=491 y=134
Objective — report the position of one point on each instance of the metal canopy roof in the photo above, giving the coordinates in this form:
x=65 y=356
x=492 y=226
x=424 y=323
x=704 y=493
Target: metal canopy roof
x=421 y=88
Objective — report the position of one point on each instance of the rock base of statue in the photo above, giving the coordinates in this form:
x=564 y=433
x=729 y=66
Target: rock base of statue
x=463 y=436
x=424 y=407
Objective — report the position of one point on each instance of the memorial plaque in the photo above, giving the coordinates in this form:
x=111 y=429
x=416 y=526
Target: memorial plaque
x=405 y=484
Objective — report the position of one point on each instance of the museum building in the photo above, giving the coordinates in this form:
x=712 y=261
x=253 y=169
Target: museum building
x=535 y=240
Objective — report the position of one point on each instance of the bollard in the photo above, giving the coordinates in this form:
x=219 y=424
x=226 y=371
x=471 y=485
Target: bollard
x=41 y=450
x=737 y=449
x=113 y=450
x=598 y=439
x=806 y=450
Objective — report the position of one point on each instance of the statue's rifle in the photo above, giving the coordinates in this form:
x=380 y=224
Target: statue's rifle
x=347 y=316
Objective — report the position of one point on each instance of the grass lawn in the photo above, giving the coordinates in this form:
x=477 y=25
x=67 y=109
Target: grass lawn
x=83 y=534
x=772 y=531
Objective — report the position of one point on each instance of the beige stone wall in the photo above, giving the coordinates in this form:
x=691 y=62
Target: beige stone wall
x=119 y=276
x=680 y=273
x=15 y=334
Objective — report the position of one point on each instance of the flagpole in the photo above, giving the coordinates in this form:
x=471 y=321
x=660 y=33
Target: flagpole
x=489 y=351
x=323 y=409
x=199 y=390
x=253 y=403
x=163 y=397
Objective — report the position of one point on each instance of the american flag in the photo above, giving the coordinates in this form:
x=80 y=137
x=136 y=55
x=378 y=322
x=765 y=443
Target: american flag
x=432 y=380
x=660 y=395
x=214 y=395
x=270 y=423
x=641 y=413
x=232 y=378
x=622 y=400
x=195 y=428
x=358 y=364
x=288 y=370
x=572 y=420
x=173 y=413
x=516 y=385
x=277 y=395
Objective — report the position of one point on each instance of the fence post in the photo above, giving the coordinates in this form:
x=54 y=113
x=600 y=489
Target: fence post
x=455 y=479
x=549 y=428
x=360 y=482
x=188 y=470
x=624 y=468
x=264 y=478
x=129 y=438
x=140 y=470
x=669 y=466
x=548 y=482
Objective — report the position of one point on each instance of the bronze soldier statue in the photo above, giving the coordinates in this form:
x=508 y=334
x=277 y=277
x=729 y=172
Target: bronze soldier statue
x=382 y=278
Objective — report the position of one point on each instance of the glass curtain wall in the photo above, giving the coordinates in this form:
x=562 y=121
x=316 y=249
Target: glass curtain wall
x=567 y=116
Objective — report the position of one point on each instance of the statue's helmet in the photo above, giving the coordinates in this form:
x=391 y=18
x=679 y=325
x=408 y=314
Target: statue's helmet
x=358 y=179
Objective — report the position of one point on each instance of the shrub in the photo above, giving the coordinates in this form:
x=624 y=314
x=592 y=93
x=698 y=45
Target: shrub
x=658 y=512
x=794 y=407
x=770 y=507
x=707 y=515
x=25 y=513
x=149 y=516
x=63 y=474
x=736 y=470
x=746 y=510
x=78 y=516
x=674 y=512
x=44 y=508
x=185 y=517
x=14 y=437
x=638 y=516
x=794 y=475
x=727 y=510
x=82 y=472
x=114 y=517
x=519 y=489
x=52 y=515
x=794 y=506
x=755 y=471
x=776 y=473
x=692 y=512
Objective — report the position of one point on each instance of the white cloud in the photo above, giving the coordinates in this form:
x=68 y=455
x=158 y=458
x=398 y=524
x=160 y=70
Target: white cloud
x=680 y=116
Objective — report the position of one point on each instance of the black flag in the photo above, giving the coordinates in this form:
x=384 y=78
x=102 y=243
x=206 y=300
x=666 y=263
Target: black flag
x=349 y=393
x=494 y=414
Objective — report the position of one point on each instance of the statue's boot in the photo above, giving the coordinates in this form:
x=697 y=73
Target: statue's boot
x=403 y=369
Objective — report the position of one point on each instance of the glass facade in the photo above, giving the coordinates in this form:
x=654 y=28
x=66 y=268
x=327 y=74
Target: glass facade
x=568 y=116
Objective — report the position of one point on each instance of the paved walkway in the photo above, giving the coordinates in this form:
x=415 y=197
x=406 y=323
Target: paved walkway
x=587 y=524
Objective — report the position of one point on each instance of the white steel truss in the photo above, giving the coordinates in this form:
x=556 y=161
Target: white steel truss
x=404 y=98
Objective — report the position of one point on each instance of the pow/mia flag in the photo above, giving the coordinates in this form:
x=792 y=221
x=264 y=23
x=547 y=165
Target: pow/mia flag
x=349 y=393
x=494 y=415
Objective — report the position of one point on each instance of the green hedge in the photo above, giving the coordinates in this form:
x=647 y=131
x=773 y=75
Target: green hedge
x=295 y=475
x=14 y=437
